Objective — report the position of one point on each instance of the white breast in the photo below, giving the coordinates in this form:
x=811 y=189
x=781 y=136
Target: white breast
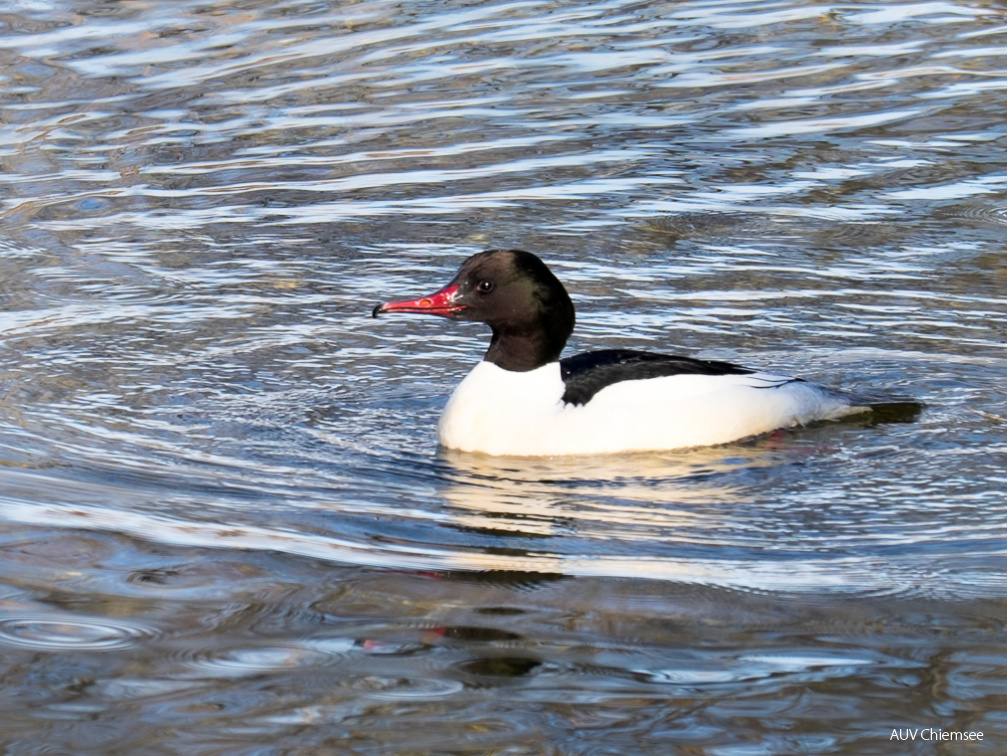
x=497 y=411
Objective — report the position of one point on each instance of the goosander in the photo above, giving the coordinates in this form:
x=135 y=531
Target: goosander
x=524 y=400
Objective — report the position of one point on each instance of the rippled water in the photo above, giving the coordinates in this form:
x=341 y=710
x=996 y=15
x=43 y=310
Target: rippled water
x=226 y=525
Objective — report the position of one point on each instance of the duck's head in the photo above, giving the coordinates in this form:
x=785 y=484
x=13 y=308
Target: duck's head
x=515 y=294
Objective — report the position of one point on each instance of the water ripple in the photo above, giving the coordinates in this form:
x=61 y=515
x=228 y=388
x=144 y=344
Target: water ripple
x=65 y=633
x=400 y=688
x=256 y=660
x=976 y=213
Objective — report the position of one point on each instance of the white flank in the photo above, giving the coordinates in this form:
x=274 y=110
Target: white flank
x=497 y=411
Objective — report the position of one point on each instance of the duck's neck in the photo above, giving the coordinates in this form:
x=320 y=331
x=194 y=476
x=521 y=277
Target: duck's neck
x=538 y=337
x=524 y=351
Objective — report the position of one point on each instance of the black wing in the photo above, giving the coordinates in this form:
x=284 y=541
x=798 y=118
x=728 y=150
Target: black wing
x=586 y=374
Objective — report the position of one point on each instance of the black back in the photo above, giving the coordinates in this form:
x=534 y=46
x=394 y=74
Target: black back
x=584 y=375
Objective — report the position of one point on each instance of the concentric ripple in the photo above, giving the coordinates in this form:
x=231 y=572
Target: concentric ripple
x=994 y=215
x=404 y=688
x=255 y=660
x=71 y=634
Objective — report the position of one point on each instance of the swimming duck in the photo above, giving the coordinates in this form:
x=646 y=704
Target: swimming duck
x=524 y=399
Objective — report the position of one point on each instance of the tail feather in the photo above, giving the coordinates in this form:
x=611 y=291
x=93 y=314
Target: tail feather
x=885 y=408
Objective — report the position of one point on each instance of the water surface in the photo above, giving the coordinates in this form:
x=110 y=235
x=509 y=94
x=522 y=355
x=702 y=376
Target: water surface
x=227 y=527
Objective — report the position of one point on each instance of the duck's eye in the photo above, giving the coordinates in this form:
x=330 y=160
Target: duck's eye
x=485 y=286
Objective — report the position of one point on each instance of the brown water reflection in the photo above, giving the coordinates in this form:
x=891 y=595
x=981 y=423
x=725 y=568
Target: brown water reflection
x=213 y=649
